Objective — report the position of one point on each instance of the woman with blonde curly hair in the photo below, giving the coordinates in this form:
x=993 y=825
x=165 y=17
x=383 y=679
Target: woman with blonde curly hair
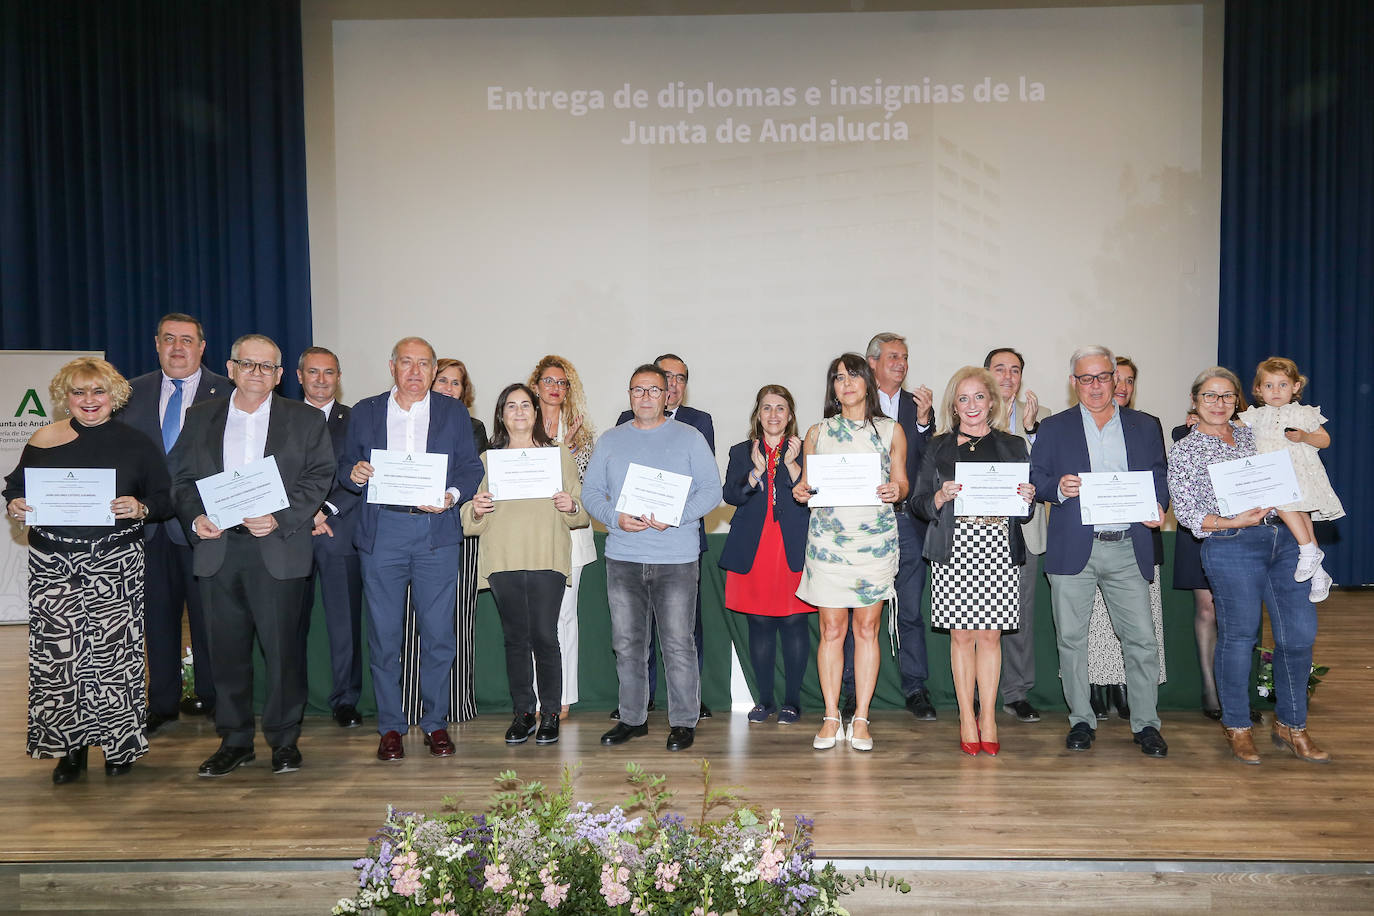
x=564 y=408
x=86 y=665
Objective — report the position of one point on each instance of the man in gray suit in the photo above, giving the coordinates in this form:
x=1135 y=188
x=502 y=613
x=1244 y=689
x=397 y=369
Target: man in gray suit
x=252 y=573
x=157 y=407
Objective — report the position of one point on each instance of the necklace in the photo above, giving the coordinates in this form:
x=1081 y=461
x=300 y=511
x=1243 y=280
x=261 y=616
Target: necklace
x=973 y=443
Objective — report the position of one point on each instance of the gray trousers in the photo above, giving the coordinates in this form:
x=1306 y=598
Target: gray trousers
x=665 y=593
x=1018 y=646
x=1111 y=568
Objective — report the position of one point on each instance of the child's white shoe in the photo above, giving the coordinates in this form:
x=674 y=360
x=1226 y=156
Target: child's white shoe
x=1308 y=564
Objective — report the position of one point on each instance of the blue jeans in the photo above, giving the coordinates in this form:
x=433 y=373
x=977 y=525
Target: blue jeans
x=664 y=593
x=1247 y=566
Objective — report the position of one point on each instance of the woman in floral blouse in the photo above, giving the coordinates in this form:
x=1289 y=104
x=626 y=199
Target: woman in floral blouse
x=1249 y=557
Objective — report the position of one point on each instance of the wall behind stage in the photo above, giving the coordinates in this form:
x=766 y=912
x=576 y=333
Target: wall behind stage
x=1064 y=192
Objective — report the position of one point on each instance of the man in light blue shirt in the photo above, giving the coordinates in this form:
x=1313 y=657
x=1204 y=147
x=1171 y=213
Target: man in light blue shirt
x=651 y=566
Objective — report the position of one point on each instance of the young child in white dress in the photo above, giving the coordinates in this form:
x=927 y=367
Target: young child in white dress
x=1280 y=421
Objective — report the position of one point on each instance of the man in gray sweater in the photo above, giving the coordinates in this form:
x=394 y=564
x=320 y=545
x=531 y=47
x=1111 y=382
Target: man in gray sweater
x=651 y=566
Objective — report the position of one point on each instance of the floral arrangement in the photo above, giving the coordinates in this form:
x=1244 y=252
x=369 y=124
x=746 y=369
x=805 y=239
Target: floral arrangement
x=1264 y=681
x=538 y=852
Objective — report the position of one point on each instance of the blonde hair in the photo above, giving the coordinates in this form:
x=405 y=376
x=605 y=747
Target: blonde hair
x=1279 y=365
x=948 y=416
x=94 y=369
x=469 y=395
x=575 y=403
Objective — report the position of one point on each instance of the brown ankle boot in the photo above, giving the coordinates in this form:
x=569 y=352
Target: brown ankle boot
x=1242 y=741
x=1299 y=742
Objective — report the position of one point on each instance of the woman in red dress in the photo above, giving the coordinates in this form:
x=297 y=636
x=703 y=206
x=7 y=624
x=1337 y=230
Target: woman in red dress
x=765 y=550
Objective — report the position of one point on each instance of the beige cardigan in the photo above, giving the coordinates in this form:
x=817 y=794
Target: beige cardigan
x=526 y=533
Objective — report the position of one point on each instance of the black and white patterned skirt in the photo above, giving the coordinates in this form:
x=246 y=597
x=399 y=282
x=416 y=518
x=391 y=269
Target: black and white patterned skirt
x=977 y=589
x=86 y=667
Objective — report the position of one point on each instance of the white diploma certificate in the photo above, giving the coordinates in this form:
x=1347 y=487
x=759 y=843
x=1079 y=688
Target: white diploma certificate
x=244 y=492
x=989 y=488
x=650 y=491
x=407 y=478
x=844 y=480
x=1117 y=497
x=524 y=473
x=1259 y=480
x=69 y=496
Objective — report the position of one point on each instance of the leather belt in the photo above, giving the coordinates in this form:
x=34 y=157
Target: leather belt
x=408 y=510
x=1111 y=535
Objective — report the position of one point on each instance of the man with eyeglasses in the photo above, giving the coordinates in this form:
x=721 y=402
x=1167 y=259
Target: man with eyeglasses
x=412 y=550
x=652 y=572
x=676 y=372
x=157 y=407
x=1116 y=558
x=252 y=574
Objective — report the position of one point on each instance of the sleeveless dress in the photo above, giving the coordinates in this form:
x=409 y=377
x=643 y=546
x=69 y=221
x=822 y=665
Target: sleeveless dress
x=851 y=551
x=1269 y=422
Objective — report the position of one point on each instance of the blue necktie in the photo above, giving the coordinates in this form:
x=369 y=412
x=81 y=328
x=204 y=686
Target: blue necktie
x=171 y=418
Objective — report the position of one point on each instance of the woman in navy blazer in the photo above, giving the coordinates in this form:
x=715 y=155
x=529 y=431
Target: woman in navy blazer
x=765 y=550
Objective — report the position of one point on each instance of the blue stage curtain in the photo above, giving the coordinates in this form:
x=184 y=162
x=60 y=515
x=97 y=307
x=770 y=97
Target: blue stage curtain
x=152 y=159
x=1297 y=229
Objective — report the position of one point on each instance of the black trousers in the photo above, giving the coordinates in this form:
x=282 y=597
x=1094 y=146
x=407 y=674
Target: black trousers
x=169 y=586
x=341 y=587
x=529 y=601
x=244 y=602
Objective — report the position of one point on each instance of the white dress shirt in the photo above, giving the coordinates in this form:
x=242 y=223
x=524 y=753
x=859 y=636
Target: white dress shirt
x=188 y=396
x=245 y=434
x=408 y=430
x=891 y=403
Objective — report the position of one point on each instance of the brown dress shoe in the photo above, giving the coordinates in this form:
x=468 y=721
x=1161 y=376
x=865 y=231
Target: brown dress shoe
x=438 y=743
x=1299 y=742
x=391 y=748
x=1242 y=741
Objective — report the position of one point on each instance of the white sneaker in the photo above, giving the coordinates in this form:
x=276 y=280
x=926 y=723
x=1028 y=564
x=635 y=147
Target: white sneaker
x=1321 y=587
x=1308 y=564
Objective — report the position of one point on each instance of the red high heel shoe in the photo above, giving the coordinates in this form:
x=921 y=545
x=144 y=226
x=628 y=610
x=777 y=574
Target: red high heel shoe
x=988 y=747
x=971 y=747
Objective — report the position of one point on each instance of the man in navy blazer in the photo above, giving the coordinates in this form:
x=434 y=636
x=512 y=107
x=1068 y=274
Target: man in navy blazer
x=336 y=559
x=1081 y=557
x=676 y=372
x=915 y=413
x=411 y=548
x=180 y=381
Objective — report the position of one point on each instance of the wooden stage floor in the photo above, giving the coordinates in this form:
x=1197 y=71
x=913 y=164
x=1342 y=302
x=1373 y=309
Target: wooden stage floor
x=914 y=797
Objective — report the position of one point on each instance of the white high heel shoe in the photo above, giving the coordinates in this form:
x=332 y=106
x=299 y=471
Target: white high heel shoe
x=824 y=744
x=859 y=744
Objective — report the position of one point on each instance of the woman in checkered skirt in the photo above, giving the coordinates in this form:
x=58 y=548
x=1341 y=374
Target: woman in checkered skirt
x=973 y=558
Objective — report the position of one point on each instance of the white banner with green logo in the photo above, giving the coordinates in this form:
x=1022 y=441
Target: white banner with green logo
x=24 y=407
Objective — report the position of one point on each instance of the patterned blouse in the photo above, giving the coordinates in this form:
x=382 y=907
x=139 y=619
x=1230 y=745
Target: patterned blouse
x=1190 y=486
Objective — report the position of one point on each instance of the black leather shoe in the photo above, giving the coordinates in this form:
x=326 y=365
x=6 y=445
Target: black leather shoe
x=680 y=737
x=1117 y=693
x=521 y=727
x=548 y=729
x=622 y=733
x=195 y=706
x=1080 y=737
x=705 y=712
x=286 y=759
x=70 y=766
x=1151 y=742
x=920 y=706
x=226 y=760
x=1097 y=696
x=615 y=713
x=1212 y=712
x=1023 y=711
x=347 y=715
x=156 y=721
x=118 y=769
x=848 y=706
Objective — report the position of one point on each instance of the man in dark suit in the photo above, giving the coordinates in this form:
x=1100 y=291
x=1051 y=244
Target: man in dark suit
x=411 y=548
x=157 y=407
x=252 y=573
x=336 y=559
x=915 y=414
x=676 y=372
x=1099 y=436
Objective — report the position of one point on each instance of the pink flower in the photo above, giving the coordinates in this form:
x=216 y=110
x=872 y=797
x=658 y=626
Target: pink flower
x=613 y=889
x=554 y=893
x=407 y=882
x=498 y=876
x=666 y=875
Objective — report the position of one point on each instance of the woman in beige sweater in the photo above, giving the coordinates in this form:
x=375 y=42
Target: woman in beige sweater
x=524 y=557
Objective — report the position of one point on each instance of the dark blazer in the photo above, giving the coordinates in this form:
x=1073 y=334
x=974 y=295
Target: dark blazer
x=141 y=412
x=298 y=439
x=751 y=511
x=343 y=519
x=450 y=432
x=1061 y=448
x=915 y=446
x=937 y=467
x=699 y=420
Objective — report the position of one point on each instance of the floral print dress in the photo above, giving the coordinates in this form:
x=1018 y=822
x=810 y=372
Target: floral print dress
x=851 y=551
